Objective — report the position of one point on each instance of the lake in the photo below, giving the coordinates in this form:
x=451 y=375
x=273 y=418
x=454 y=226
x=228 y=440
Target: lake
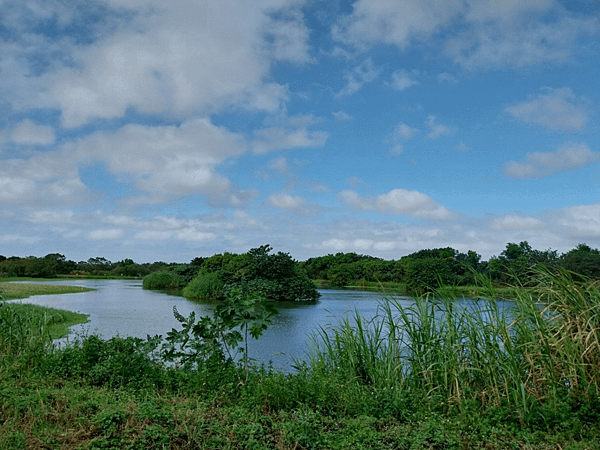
x=123 y=308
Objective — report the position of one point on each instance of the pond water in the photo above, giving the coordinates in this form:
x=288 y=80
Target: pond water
x=123 y=308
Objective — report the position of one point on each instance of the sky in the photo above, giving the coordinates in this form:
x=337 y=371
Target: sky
x=167 y=130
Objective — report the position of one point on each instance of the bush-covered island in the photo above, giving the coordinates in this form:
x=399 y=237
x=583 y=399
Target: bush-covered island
x=276 y=275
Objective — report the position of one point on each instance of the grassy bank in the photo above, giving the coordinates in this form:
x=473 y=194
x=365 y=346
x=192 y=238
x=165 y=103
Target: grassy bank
x=361 y=285
x=10 y=291
x=35 y=321
x=432 y=375
x=472 y=291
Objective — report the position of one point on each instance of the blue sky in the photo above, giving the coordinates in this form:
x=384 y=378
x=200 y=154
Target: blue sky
x=161 y=130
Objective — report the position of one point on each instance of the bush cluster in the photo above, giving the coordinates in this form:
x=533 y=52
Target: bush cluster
x=162 y=280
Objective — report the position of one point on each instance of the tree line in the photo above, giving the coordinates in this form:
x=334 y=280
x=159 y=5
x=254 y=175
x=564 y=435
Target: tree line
x=421 y=270
x=55 y=264
x=428 y=268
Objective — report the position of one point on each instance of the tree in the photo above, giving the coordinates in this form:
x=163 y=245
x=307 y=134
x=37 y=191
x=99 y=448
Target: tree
x=41 y=267
x=516 y=262
x=583 y=260
x=276 y=275
x=428 y=274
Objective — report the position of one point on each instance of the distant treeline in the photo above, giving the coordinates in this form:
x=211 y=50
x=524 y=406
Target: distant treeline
x=55 y=264
x=420 y=270
x=429 y=268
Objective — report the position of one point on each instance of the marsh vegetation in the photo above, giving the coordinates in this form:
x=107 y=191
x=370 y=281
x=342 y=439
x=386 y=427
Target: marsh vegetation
x=431 y=374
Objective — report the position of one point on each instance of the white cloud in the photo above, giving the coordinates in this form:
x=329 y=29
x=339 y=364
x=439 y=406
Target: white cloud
x=515 y=222
x=516 y=33
x=366 y=72
x=569 y=156
x=293 y=132
x=279 y=164
x=581 y=221
x=485 y=35
x=445 y=77
x=176 y=60
x=556 y=109
x=398 y=202
x=462 y=147
x=341 y=116
x=404 y=131
x=394 y=22
x=437 y=129
x=52 y=217
x=355 y=181
x=106 y=234
x=28 y=132
x=401 y=133
x=165 y=161
x=46 y=178
x=285 y=201
x=403 y=79
x=288 y=37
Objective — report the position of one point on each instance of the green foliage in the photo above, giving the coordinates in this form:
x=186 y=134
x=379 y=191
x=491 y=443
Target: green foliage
x=582 y=260
x=208 y=286
x=205 y=342
x=276 y=275
x=428 y=274
x=162 y=280
x=530 y=364
x=23 y=331
x=517 y=263
x=429 y=373
x=114 y=362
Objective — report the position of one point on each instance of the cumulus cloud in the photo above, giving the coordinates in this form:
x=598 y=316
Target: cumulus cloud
x=341 y=116
x=27 y=132
x=515 y=222
x=402 y=132
x=173 y=61
x=46 y=178
x=490 y=34
x=556 y=109
x=437 y=129
x=165 y=161
x=279 y=164
x=292 y=132
x=285 y=201
x=581 y=221
x=162 y=162
x=403 y=79
x=398 y=202
x=569 y=156
x=398 y=23
x=366 y=72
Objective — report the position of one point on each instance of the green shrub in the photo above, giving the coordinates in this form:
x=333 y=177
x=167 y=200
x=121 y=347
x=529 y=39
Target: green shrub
x=162 y=280
x=208 y=286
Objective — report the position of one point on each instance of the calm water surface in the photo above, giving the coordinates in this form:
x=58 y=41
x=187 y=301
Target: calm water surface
x=123 y=308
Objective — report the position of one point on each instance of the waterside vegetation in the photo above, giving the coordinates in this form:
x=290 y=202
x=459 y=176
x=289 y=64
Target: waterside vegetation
x=418 y=272
x=11 y=291
x=431 y=375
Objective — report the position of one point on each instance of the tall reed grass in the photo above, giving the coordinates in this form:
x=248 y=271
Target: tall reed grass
x=542 y=352
x=24 y=332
